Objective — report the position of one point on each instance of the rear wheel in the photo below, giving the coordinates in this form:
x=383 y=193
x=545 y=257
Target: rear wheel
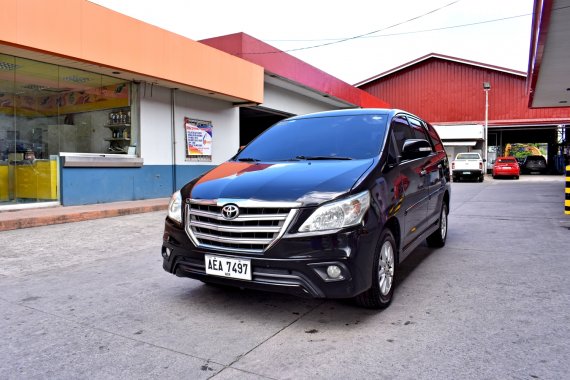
x=380 y=293
x=437 y=239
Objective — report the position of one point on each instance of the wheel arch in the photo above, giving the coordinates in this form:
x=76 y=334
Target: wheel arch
x=446 y=200
x=393 y=225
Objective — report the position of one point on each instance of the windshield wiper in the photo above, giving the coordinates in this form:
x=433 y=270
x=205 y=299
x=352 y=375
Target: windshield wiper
x=248 y=159
x=322 y=158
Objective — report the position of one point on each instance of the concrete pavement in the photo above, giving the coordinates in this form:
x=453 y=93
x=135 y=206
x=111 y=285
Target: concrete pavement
x=89 y=300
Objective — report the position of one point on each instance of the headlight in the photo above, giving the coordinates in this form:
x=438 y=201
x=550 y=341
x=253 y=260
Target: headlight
x=175 y=207
x=344 y=213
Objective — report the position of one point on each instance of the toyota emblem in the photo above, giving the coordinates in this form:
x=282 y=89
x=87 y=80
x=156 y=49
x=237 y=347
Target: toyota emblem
x=230 y=212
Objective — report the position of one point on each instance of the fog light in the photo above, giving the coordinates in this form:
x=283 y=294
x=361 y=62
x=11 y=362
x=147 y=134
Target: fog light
x=333 y=271
x=166 y=253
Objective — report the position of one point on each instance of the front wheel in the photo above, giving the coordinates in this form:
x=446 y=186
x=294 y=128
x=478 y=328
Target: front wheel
x=380 y=293
x=437 y=239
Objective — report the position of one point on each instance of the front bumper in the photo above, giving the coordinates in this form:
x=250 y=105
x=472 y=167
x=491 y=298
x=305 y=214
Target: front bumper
x=293 y=265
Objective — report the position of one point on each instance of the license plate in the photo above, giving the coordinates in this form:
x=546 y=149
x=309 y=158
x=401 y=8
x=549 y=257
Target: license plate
x=466 y=172
x=228 y=267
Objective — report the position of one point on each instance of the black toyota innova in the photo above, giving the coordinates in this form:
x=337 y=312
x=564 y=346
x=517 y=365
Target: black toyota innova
x=323 y=205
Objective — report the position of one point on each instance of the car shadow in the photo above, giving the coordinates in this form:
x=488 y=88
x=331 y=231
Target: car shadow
x=411 y=262
x=257 y=304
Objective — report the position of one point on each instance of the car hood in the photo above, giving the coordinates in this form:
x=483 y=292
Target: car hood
x=307 y=182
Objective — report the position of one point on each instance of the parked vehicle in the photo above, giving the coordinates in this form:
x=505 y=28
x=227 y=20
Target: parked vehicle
x=506 y=167
x=534 y=164
x=323 y=205
x=468 y=165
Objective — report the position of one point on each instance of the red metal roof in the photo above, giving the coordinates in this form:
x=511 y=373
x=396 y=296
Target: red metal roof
x=286 y=66
x=448 y=90
x=446 y=57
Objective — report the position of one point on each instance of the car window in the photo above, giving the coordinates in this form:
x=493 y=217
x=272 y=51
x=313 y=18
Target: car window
x=419 y=130
x=402 y=131
x=435 y=139
x=467 y=156
x=341 y=137
x=507 y=160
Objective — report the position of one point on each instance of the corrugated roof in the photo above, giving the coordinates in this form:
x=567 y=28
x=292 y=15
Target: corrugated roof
x=442 y=57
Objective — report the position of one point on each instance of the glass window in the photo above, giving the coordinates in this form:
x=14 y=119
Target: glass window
x=47 y=109
x=418 y=129
x=402 y=131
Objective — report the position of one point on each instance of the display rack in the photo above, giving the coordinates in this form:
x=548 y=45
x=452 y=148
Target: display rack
x=120 y=127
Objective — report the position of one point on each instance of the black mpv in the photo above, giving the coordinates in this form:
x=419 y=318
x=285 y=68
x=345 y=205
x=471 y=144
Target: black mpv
x=323 y=205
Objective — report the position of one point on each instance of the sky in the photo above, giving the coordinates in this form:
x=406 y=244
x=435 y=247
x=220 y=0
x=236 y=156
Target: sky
x=355 y=40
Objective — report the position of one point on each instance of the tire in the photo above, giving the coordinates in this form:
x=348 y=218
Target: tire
x=380 y=293
x=438 y=238
x=516 y=177
x=494 y=176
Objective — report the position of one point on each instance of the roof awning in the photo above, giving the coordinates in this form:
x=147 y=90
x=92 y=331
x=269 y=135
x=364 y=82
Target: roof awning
x=459 y=143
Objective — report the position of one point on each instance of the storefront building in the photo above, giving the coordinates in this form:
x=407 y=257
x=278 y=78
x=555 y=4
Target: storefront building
x=86 y=117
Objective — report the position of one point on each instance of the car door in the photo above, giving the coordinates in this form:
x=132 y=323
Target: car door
x=433 y=169
x=413 y=185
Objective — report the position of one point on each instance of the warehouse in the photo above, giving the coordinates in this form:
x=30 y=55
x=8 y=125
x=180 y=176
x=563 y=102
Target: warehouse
x=453 y=94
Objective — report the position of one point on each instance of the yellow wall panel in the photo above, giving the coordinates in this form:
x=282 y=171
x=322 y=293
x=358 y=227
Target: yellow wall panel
x=3 y=183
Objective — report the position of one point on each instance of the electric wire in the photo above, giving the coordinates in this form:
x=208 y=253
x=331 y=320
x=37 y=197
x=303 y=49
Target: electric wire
x=360 y=35
x=413 y=31
x=370 y=34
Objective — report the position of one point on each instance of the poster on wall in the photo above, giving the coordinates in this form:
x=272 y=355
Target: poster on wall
x=198 y=139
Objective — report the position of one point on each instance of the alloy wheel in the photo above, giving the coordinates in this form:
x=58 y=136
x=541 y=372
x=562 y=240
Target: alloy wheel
x=386 y=268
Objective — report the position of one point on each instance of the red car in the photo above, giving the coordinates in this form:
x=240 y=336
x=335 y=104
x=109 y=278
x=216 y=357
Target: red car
x=506 y=166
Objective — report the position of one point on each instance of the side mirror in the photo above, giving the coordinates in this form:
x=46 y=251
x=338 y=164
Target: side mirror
x=241 y=148
x=415 y=148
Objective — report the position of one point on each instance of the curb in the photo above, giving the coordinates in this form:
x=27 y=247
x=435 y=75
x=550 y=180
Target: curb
x=13 y=220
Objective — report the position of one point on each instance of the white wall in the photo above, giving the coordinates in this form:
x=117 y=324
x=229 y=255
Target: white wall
x=155 y=129
x=155 y=121
x=278 y=98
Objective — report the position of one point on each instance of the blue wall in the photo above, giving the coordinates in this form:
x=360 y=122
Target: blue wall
x=81 y=186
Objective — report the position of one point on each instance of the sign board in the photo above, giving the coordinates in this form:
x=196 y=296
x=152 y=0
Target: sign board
x=198 y=139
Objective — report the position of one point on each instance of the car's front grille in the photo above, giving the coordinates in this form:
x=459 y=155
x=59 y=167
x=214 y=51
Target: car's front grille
x=252 y=231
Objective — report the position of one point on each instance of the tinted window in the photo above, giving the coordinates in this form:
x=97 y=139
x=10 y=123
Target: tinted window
x=507 y=160
x=402 y=131
x=435 y=140
x=418 y=129
x=355 y=137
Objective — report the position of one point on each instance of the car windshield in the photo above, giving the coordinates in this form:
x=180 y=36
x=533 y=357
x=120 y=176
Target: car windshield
x=506 y=160
x=468 y=156
x=344 y=137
